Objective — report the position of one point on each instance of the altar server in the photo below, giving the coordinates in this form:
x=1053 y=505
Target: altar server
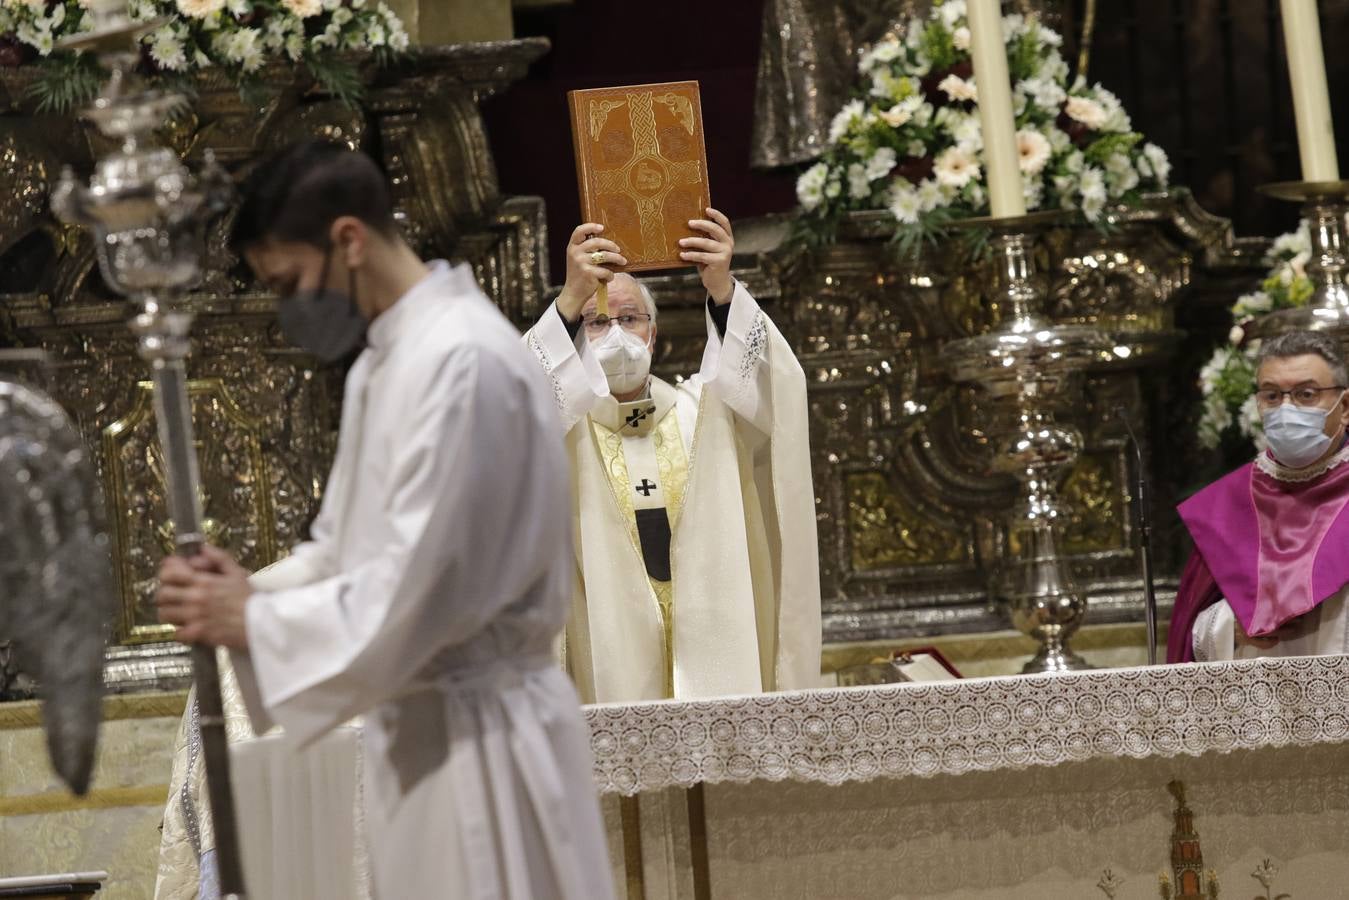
x=1270 y=567
x=696 y=568
x=439 y=571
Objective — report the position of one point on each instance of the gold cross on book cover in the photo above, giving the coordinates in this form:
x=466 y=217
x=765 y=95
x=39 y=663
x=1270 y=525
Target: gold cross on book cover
x=641 y=167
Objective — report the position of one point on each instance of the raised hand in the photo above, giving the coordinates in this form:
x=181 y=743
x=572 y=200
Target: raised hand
x=712 y=254
x=587 y=257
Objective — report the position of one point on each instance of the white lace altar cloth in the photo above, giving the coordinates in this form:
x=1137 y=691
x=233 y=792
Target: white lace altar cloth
x=894 y=731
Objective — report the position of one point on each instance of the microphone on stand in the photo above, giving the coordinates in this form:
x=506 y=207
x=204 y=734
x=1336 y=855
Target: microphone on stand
x=1143 y=503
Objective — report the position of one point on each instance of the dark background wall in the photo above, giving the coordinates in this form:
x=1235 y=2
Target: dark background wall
x=1206 y=79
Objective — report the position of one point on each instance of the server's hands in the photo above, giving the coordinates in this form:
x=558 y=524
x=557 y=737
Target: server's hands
x=205 y=598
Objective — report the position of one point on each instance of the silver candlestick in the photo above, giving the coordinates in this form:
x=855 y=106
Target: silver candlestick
x=148 y=214
x=1029 y=365
x=1324 y=207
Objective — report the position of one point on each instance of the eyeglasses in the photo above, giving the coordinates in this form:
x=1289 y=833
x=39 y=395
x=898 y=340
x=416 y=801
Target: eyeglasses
x=1269 y=398
x=627 y=321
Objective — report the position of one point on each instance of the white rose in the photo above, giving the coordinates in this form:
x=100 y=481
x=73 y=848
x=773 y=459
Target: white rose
x=905 y=204
x=1044 y=91
x=969 y=134
x=303 y=9
x=1161 y=166
x=1087 y=111
x=1252 y=304
x=1123 y=177
x=859 y=186
x=959 y=89
x=200 y=9
x=951 y=12
x=844 y=119
x=810 y=186
x=933 y=195
x=1252 y=424
x=961 y=38
x=1236 y=334
x=896 y=115
x=1033 y=190
x=1299 y=263
x=1092 y=184
x=880 y=164
x=1292 y=243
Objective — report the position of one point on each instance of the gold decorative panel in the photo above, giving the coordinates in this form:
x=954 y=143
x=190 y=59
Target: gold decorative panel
x=888 y=530
x=1094 y=501
x=236 y=495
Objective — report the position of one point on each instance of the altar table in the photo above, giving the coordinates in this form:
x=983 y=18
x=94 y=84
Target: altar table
x=1214 y=778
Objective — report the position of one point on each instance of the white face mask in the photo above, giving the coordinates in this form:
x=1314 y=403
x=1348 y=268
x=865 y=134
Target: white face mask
x=625 y=358
x=1297 y=437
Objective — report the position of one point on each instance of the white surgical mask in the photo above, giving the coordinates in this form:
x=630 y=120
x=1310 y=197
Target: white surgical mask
x=1297 y=436
x=625 y=358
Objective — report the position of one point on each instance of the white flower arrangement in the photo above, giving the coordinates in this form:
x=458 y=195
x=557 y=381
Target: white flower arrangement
x=1227 y=380
x=916 y=136
x=237 y=36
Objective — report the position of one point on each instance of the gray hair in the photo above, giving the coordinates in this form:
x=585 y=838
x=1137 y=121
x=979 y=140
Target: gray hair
x=1306 y=343
x=647 y=297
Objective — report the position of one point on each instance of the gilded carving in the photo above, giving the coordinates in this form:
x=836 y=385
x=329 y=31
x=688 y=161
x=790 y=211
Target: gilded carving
x=1092 y=496
x=236 y=488
x=888 y=531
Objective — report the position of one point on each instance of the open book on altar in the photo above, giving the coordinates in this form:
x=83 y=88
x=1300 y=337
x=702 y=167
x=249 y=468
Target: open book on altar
x=641 y=167
x=921 y=664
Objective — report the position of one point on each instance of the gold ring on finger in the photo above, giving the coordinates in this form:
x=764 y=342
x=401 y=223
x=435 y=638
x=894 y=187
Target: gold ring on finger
x=597 y=257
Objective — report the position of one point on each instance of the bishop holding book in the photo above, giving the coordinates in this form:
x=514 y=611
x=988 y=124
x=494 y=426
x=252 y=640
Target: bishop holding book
x=696 y=563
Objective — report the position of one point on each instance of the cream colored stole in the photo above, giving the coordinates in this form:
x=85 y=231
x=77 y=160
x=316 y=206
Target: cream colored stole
x=642 y=451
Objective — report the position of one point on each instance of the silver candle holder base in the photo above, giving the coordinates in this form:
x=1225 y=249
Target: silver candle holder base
x=1029 y=366
x=1325 y=205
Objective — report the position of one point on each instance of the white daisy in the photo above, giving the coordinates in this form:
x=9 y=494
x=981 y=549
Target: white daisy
x=1034 y=151
x=956 y=168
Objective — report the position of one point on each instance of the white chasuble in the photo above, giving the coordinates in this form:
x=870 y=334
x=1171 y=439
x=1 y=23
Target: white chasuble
x=742 y=609
x=429 y=600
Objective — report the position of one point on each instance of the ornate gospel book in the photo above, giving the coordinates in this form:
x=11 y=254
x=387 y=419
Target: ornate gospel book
x=641 y=167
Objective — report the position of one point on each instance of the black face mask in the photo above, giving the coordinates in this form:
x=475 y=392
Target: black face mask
x=326 y=323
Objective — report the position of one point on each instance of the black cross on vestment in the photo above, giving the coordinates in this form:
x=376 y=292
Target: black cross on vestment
x=638 y=415
x=645 y=488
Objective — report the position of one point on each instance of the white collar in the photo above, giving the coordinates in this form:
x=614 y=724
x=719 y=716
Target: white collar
x=1271 y=467
x=400 y=318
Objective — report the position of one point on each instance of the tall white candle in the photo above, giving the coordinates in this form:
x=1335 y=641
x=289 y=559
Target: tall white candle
x=1001 y=158
x=1311 y=98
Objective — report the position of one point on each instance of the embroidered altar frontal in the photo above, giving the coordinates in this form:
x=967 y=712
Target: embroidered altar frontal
x=1212 y=780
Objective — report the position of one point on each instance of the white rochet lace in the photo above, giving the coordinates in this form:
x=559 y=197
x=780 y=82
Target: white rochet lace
x=892 y=731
